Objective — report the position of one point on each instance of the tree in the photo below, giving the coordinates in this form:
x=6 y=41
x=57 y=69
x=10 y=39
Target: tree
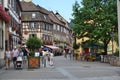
x=76 y=46
x=95 y=19
x=33 y=43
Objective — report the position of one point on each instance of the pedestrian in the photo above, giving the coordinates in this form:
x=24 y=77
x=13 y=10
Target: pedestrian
x=14 y=56
x=41 y=56
x=44 y=57
x=64 y=53
x=102 y=58
x=47 y=58
x=70 y=53
x=51 y=58
x=25 y=54
x=7 y=58
x=19 y=61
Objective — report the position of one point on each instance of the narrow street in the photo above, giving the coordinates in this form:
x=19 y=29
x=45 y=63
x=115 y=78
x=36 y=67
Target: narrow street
x=65 y=69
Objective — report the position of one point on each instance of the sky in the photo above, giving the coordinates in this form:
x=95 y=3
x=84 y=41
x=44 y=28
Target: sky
x=63 y=7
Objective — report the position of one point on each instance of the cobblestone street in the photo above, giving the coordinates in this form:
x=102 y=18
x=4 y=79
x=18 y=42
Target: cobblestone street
x=65 y=69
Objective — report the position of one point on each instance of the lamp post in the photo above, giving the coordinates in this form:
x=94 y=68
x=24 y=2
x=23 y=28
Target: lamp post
x=118 y=12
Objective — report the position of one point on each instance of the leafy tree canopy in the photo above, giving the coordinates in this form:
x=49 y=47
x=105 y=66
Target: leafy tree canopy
x=33 y=43
x=95 y=19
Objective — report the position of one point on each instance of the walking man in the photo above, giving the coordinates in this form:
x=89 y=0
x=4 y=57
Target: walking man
x=14 y=56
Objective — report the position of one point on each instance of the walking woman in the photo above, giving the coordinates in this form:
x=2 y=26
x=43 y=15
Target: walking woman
x=7 y=58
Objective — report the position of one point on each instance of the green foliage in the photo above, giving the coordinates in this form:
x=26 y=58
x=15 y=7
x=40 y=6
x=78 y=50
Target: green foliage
x=33 y=43
x=76 y=46
x=95 y=19
x=116 y=53
x=31 y=54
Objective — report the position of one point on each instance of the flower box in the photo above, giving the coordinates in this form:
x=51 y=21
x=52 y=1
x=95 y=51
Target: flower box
x=33 y=62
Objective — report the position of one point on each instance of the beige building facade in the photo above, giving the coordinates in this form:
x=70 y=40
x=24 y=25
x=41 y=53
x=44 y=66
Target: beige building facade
x=44 y=24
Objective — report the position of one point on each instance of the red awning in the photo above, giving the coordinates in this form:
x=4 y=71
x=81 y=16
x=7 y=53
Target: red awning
x=4 y=15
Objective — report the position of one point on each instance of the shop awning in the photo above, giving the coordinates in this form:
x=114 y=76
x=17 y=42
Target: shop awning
x=51 y=47
x=4 y=15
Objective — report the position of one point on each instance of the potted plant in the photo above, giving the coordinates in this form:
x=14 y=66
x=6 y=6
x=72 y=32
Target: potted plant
x=33 y=45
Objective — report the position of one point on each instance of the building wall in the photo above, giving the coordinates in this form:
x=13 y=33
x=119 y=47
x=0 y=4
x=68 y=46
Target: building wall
x=15 y=13
x=2 y=39
x=5 y=25
x=51 y=30
x=1 y=43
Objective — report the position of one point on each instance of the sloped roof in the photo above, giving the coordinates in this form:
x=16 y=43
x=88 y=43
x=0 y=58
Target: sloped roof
x=28 y=6
x=43 y=10
x=31 y=7
x=55 y=19
x=62 y=20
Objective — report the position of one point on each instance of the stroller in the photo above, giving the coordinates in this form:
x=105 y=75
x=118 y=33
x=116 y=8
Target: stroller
x=19 y=61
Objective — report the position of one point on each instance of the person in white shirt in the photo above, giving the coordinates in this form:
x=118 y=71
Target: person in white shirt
x=51 y=58
x=14 y=55
x=7 y=58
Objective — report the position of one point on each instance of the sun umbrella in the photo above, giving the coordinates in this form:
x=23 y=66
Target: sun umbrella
x=45 y=49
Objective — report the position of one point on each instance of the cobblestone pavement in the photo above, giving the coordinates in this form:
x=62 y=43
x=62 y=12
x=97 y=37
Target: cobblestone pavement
x=65 y=69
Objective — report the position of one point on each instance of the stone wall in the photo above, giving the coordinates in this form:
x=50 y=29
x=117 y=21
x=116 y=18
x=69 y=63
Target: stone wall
x=113 y=60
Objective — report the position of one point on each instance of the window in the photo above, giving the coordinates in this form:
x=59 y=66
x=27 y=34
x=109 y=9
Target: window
x=54 y=26
x=61 y=28
x=64 y=30
x=43 y=26
x=32 y=35
x=34 y=25
x=33 y=15
x=58 y=27
x=25 y=25
x=12 y=3
x=50 y=27
x=44 y=16
x=43 y=36
x=47 y=27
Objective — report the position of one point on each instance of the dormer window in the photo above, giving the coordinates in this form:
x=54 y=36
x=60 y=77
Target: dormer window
x=44 y=16
x=33 y=15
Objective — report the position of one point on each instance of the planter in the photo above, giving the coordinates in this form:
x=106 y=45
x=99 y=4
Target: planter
x=34 y=62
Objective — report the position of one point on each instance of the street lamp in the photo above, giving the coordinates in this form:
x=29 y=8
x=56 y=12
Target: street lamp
x=118 y=12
